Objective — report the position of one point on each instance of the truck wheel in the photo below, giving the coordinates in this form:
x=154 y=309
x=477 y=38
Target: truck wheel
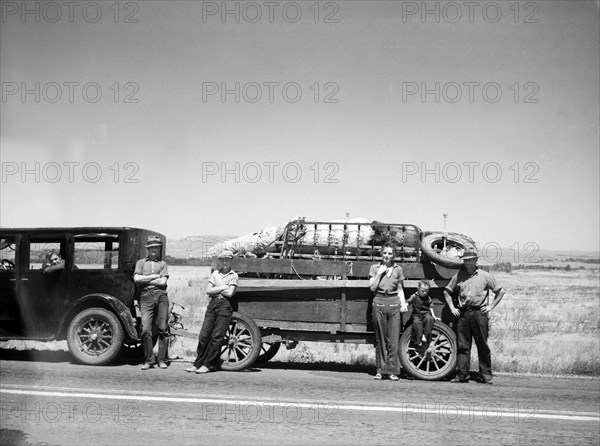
x=242 y=344
x=439 y=364
x=95 y=336
x=268 y=350
x=432 y=248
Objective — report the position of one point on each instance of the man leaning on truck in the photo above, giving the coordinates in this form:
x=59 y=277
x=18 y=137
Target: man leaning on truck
x=151 y=275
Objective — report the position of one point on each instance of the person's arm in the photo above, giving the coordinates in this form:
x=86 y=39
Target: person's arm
x=145 y=278
x=449 y=289
x=376 y=277
x=53 y=268
x=498 y=295
x=435 y=318
x=163 y=276
x=232 y=288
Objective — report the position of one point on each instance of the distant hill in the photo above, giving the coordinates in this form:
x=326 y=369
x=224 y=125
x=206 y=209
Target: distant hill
x=194 y=246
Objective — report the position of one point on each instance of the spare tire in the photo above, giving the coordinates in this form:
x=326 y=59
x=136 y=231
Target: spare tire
x=432 y=247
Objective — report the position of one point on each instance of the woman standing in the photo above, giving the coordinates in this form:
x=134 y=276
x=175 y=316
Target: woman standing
x=385 y=280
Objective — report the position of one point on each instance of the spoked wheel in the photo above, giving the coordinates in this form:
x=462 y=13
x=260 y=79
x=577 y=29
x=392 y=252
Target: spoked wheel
x=437 y=363
x=95 y=336
x=242 y=343
x=268 y=350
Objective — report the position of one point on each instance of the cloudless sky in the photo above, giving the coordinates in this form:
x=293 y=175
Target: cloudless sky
x=356 y=140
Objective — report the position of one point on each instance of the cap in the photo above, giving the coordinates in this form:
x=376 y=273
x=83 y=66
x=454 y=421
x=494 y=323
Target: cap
x=154 y=241
x=470 y=253
x=226 y=254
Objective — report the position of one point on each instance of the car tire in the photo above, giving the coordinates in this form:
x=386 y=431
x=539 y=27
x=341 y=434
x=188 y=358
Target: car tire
x=440 y=364
x=242 y=343
x=430 y=243
x=95 y=336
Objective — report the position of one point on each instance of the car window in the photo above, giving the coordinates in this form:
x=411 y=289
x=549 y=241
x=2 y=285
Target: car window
x=40 y=248
x=96 y=252
x=7 y=253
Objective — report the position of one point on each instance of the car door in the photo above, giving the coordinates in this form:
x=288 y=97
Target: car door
x=41 y=293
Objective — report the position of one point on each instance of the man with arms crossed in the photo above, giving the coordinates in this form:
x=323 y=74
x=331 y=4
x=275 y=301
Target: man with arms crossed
x=473 y=286
x=151 y=276
x=222 y=284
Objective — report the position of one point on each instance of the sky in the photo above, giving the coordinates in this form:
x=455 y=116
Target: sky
x=196 y=118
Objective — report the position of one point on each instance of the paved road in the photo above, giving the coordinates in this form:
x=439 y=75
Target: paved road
x=49 y=399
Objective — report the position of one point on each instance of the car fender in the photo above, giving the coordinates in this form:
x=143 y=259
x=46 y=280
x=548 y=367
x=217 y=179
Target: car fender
x=100 y=300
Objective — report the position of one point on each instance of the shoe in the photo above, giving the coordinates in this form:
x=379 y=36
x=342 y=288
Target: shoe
x=191 y=369
x=203 y=369
x=394 y=378
x=458 y=380
x=378 y=376
x=147 y=366
x=424 y=338
x=162 y=365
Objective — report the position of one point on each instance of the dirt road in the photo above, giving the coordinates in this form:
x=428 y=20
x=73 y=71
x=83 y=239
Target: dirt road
x=49 y=399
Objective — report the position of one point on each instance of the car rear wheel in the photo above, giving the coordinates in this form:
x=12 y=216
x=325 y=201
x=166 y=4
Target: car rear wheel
x=95 y=336
x=242 y=343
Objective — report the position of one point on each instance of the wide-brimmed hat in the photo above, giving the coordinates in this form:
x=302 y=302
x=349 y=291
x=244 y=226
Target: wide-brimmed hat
x=470 y=253
x=227 y=254
x=154 y=241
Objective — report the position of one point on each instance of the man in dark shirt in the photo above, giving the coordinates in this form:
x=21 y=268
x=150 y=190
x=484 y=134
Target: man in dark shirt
x=151 y=275
x=473 y=285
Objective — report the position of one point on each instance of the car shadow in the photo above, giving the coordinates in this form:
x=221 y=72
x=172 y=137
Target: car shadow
x=35 y=355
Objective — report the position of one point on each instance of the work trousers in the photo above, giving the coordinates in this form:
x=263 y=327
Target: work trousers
x=473 y=324
x=154 y=307
x=216 y=321
x=386 y=323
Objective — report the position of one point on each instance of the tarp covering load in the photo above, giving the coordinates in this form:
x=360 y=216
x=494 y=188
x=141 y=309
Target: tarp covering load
x=250 y=245
x=299 y=237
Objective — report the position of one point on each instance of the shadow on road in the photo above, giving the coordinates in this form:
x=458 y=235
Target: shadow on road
x=35 y=355
x=328 y=366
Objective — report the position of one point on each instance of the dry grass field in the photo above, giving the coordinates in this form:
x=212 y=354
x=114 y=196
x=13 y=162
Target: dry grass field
x=548 y=323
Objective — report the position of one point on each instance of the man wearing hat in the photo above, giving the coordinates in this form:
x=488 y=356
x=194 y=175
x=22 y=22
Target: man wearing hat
x=473 y=285
x=151 y=276
x=222 y=285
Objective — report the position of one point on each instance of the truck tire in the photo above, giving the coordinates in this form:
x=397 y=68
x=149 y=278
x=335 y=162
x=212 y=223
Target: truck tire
x=442 y=361
x=430 y=246
x=268 y=351
x=95 y=336
x=242 y=344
